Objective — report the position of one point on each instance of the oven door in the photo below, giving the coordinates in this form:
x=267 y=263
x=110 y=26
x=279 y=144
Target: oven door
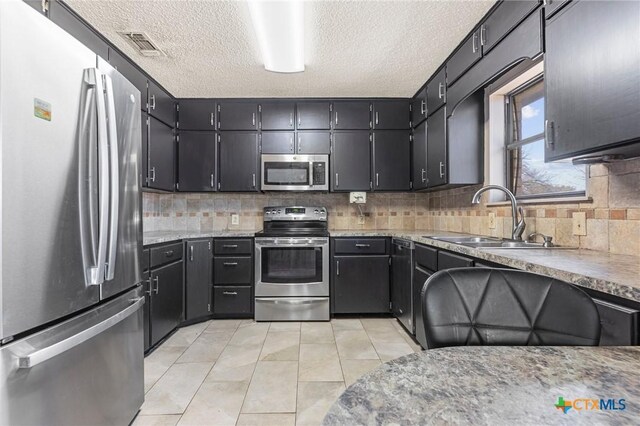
x=296 y=266
x=294 y=172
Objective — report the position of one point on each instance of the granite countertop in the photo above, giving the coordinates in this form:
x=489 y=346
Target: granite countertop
x=494 y=385
x=615 y=274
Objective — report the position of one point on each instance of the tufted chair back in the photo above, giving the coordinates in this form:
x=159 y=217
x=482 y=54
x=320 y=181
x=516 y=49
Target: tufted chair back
x=483 y=306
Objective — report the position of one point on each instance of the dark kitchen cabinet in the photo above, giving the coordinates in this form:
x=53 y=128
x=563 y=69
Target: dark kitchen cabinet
x=360 y=284
x=198 y=279
x=310 y=142
x=596 y=47
x=419 y=156
x=437 y=91
x=232 y=302
x=144 y=127
x=391 y=160
x=552 y=6
x=238 y=163
x=465 y=142
x=468 y=53
x=146 y=287
x=233 y=278
x=232 y=270
x=197 y=161
x=437 y=148
x=278 y=142
x=447 y=260
x=620 y=324
x=167 y=289
x=197 y=114
x=131 y=72
x=161 y=105
x=237 y=115
x=502 y=20
x=278 y=115
x=313 y=115
x=352 y=115
x=62 y=16
x=391 y=115
x=351 y=161
x=401 y=282
x=162 y=154
x=419 y=108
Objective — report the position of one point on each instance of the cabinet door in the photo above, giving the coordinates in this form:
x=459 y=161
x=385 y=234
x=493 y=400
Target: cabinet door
x=361 y=284
x=278 y=142
x=419 y=108
x=166 y=300
x=197 y=161
x=278 y=116
x=199 y=279
x=352 y=115
x=131 y=72
x=419 y=156
x=144 y=126
x=467 y=54
x=437 y=149
x=502 y=20
x=237 y=116
x=391 y=115
x=552 y=6
x=146 y=315
x=197 y=114
x=313 y=143
x=391 y=160
x=69 y=22
x=238 y=165
x=590 y=45
x=313 y=115
x=351 y=161
x=436 y=91
x=161 y=156
x=161 y=105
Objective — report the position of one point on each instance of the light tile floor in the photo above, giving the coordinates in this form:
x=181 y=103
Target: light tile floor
x=239 y=372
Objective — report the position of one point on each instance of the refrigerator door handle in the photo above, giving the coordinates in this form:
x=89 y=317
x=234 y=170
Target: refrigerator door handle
x=41 y=355
x=114 y=179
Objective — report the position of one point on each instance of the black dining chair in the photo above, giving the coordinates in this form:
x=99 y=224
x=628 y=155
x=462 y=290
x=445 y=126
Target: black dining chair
x=486 y=306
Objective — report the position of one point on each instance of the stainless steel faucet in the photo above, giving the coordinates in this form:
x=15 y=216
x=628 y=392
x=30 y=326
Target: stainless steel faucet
x=518 y=225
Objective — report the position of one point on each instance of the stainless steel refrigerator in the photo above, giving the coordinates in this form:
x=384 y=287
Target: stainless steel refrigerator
x=71 y=335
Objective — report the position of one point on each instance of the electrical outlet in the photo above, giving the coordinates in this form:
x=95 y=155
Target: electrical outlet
x=579 y=223
x=358 y=197
x=360 y=220
x=492 y=220
x=235 y=219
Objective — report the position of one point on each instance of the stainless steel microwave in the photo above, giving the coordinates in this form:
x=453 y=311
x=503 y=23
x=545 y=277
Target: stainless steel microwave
x=289 y=172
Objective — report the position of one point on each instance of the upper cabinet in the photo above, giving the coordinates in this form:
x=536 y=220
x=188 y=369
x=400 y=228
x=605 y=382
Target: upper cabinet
x=419 y=108
x=162 y=155
x=592 y=77
x=351 y=161
x=437 y=149
x=391 y=160
x=504 y=19
x=237 y=115
x=68 y=21
x=314 y=115
x=131 y=72
x=436 y=91
x=161 y=105
x=197 y=114
x=468 y=53
x=313 y=142
x=352 y=115
x=391 y=115
x=238 y=166
x=196 y=161
x=419 y=156
x=278 y=115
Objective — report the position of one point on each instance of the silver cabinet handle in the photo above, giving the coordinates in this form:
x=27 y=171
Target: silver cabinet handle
x=358 y=245
x=424 y=175
x=310 y=173
x=299 y=119
x=149 y=281
x=253 y=118
x=253 y=180
x=337 y=267
x=441 y=170
x=230 y=293
x=440 y=90
x=230 y=264
x=377 y=179
x=290 y=119
x=212 y=184
x=44 y=354
x=156 y=280
x=483 y=35
x=212 y=118
x=168 y=253
x=548 y=134
x=153 y=174
x=337 y=181
x=423 y=106
x=191 y=253
x=232 y=246
x=114 y=180
x=474 y=42
x=336 y=118
x=377 y=117
x=153 y=102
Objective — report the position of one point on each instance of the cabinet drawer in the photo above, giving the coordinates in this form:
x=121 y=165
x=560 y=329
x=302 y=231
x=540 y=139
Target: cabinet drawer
x=145 y=259
x=232 y=270
x=233 y=246
x=232 y=300
x=427 y=257
x=448 y=260
x=619 y=324
x=166 y=254
x=361 y=246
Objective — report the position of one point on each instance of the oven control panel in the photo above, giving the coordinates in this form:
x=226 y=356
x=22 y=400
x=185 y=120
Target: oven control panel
x=295 y=213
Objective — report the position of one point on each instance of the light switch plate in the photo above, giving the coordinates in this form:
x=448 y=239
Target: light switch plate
x=492 y=220
x=358 y=197
x=235 y=219
x=579 y=223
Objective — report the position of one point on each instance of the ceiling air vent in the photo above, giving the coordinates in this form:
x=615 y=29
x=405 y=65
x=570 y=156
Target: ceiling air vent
x=142 y=43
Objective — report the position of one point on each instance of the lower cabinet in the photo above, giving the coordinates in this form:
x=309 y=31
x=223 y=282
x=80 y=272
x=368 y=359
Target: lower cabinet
x=198 y=279
x=360 y=282
x=166 y=304
x=233 y=278
x=233 y=300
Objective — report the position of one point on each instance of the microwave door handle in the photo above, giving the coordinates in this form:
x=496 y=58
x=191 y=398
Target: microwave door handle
x=114 y=180
x=310 y=173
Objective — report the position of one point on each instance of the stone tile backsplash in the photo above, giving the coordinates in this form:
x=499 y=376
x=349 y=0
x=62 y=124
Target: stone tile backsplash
x=613 y=213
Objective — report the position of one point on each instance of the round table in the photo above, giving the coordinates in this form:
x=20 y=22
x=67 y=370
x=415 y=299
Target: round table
x=495 y=385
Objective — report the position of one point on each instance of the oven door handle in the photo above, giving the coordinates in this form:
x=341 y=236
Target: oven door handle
x=293 y=302
x=310 y=173
x=280 y=243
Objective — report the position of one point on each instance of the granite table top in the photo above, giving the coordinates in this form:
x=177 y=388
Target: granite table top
x=495 y=385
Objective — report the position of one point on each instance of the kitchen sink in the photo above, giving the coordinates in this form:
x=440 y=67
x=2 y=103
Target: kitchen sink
x=494 y=243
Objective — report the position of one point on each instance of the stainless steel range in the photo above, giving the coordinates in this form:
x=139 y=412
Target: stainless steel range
x=292 y=265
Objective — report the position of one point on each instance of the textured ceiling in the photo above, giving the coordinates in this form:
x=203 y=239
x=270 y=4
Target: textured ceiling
x=352 y=48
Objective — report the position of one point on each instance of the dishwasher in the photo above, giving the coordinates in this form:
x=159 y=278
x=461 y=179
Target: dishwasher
x=402 y=253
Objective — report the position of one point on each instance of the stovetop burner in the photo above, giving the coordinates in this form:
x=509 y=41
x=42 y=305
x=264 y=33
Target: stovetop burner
x=294 y=221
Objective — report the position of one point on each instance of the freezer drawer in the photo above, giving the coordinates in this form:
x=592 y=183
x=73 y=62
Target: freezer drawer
x=292 y=309
x=85 y=371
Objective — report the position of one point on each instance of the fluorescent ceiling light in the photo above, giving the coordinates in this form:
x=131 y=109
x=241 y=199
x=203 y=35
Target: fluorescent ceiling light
x=279 y=27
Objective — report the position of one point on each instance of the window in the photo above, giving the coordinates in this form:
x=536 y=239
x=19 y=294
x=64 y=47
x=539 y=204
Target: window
x=528 y=176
